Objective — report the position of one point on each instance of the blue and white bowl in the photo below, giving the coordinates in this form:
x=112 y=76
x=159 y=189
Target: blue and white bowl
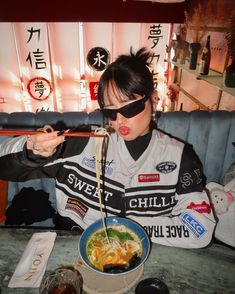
x=113 y=221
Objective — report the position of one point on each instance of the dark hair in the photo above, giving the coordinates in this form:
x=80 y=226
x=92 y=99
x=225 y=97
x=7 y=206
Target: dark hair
x=130 y=74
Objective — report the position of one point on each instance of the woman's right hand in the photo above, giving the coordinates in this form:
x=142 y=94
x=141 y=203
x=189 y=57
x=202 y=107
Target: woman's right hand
x=44 y=143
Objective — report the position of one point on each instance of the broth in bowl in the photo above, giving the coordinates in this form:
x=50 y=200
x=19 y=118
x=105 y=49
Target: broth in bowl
x=121 y=246
x=121 y=250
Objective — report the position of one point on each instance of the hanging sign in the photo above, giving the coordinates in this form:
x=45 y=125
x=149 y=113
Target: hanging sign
x=98 y=58
x=39 y=88
x=35 y=65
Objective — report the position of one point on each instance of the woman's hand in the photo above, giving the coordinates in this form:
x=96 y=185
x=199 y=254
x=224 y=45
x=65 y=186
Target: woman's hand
x=44 y=144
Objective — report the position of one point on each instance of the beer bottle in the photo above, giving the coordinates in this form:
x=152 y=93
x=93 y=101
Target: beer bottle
x=204 y=65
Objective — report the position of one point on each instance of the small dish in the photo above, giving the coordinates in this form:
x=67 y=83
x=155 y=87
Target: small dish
x=151 y=286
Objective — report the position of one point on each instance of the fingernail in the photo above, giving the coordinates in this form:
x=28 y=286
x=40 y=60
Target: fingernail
x=60 y=133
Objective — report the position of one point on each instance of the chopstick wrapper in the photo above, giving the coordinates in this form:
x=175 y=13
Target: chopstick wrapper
x=32 y=265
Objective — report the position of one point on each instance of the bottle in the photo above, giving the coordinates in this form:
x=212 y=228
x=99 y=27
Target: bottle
x=205 y=59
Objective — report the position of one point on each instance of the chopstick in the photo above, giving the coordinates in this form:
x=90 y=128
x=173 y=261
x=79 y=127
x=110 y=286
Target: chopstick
x=62 y=133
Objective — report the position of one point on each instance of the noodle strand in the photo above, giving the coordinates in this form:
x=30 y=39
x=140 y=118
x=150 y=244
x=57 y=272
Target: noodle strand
x=98 y=160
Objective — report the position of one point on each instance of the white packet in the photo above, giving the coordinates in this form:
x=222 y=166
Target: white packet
x=32 y=265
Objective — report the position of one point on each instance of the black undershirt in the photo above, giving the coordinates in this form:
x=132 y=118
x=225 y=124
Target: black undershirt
x=137 y=147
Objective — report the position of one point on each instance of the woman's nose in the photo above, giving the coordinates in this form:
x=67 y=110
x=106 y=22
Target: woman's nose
x=120 y=118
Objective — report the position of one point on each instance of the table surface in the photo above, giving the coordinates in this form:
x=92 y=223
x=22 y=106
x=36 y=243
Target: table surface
x=191 y=271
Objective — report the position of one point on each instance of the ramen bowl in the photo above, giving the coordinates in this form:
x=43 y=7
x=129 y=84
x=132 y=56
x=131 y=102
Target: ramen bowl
x=132 y=238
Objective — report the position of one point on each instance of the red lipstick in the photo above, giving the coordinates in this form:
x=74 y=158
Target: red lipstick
x=124 y=130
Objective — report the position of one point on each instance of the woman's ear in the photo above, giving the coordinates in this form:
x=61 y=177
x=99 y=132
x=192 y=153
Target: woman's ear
x=154 y=99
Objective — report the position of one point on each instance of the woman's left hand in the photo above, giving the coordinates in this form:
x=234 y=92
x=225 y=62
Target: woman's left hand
x=45 y=143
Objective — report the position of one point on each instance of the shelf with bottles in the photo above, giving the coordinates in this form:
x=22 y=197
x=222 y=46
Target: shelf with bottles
x=214 y=78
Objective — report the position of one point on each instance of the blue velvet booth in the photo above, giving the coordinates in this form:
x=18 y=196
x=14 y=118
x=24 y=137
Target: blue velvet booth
x=211 y=133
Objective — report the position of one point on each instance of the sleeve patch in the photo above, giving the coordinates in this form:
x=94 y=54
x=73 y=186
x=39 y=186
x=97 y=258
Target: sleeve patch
x=193 y=225
x=200 y=207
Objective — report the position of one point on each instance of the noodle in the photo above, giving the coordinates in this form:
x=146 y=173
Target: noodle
x=110 y=246
x=98 y=160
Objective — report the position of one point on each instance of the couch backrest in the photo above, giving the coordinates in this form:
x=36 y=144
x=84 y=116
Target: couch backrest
x=211 y=134
x=58 y=120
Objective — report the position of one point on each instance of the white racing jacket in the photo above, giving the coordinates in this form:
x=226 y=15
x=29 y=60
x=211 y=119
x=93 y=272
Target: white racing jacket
x=160 y=190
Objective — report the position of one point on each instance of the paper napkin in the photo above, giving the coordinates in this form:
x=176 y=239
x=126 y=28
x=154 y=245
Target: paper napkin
x=32 y=265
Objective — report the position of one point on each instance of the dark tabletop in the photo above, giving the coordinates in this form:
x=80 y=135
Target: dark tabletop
x=190 y=271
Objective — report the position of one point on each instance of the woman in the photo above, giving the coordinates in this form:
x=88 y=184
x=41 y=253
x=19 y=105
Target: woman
x=146 y=175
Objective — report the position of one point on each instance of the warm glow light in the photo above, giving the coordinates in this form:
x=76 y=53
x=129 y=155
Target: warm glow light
x=76 y=74
x=89 y=107
x=27 y=101
x=15 y=80
x=25 y=72
x=17 y=96
x=81 y=48
x=60 y=105
x=58 y=99
x=83 y=103
x=90 y=71
x=57 y=70
x=58 y=94
x=46 y=74
x=77 y=91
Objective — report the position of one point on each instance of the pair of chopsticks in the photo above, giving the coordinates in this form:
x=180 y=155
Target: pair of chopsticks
x=66 y=133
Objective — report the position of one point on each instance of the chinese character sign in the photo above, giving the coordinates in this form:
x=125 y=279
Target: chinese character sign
x=32 y=43
x=39 y=88
x=34 y=62
x=98 y=58
x=157 y=40
x=156 y=37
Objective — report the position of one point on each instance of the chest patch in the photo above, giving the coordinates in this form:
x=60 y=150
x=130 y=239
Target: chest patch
x=166 y=167
x=148 y=178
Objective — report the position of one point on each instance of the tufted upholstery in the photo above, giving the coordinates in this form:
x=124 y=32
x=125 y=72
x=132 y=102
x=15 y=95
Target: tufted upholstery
x=29 y=120
x=211 y=134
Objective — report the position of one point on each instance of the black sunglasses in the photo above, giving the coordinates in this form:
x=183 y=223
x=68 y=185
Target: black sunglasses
x=128 y=111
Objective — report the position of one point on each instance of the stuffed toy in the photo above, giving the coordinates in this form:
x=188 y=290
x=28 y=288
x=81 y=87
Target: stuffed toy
x=222 y=196
x=223 y=201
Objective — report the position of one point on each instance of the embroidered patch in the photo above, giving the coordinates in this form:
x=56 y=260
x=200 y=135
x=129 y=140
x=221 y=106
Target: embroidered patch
x=200 y=207
x=148 y=178
x=193 y=225
x=76 y=206
x=166 y=167
x=91 y=164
